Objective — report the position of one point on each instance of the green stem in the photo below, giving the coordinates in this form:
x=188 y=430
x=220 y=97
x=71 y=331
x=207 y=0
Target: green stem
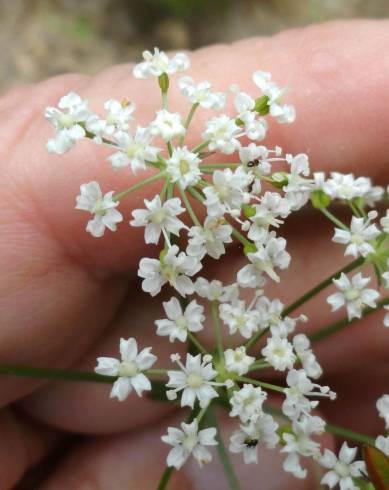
x=55 y=374
x=188 y=120
x=262 y=384
x=189 y=208
x=344 y=322
x=197 y=343
x=254 y=339
x=139 y=185
x=156 y=372
x=327 y=282
x=164 y=189
x=242 y=239
x=256 y=366
x=217 y=325
x=350 y=435
x=223 y=454
x=196 y=194
x=164 y=100
x=200 y=147
x=333 y=218
x=165 y=477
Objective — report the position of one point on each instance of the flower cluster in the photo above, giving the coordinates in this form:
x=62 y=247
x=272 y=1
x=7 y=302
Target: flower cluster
x=203 y=207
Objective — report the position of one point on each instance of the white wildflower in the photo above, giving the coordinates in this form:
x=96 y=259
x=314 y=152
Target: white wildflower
x=237 y=360
x=183 y=167
x=102 y=207
x=278 y=352
x=342 y=468
x=222 y=134
x=129 y=369
x=173 y=267
x=201 y=94
x=247 y=402
x=299 y=443
x=178 y=322
x=283 y=113
x=262 y=430
x=358 y=237
x=194 y=380
x=189 y=440
x=69 y=121
x=168 y=125
x=134 y=151
x=159 y=218
x=209 y=238
x=353 y=294
x=157 y=63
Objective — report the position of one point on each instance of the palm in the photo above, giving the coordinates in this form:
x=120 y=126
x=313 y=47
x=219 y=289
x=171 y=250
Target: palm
x=66 y=298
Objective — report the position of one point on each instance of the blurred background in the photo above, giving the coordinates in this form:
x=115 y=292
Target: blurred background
x=41 y=38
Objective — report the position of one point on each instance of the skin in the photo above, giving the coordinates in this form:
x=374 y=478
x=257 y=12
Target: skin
x=66 y=298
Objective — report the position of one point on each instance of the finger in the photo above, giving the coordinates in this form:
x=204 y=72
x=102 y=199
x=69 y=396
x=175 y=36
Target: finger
x=43 y=184
x=138 y=458
x=86 y=407
x=22 y=445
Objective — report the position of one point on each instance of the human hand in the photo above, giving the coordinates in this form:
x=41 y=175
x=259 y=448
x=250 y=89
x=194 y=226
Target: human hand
x=66 y=298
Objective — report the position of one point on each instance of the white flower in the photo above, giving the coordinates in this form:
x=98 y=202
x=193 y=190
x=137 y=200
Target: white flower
x=189 y=441
x=386 y=317
x=299 y=187
x=255 y=160
x=157 y=63
x=384 y=222
x=305 y=355
x=222 y=133
x=247 y=402
x=173 y=267
x=226 y=192
x=239 y=318
x=358 y=237
x=180 y=322
x=353 y=294
x=261 y=430
x=342 y=468
x=255 y=128
x=103 y=207
x=299 y=443
x=382 y=443
x=270 y=312
x=128 y=369
x=215 y=290
x=237 y=361
x=168 y=125
x=183 y=167
x=209 y=238
x=194 y=380
x=159 y=218
x=279 y=353
x=201 y=94
x=69 y=122
x=268 y=213
x=282 y=112
x=383 y=409
x=270 y=254
x=300 y=387
x=135 y=150
x=346 y=186
x=119 y=114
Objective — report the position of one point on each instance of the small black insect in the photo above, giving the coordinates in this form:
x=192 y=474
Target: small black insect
x=251 y=442
x=253 y=163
